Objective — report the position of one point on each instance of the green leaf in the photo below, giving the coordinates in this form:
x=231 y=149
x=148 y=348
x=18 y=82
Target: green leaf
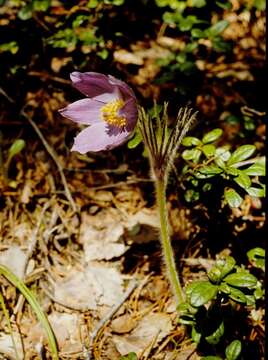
x=237 y=295
x=214 y=338
x=130 y=356
x=195 y=335
x=255 y=170
x=223 y=287
x=11 y=46
x=225 y=5
x=210 y=170
x=41 y=5
x=208 y=150
x=260 y=4
x=232 y=171
x=212 y=136
x=256 y=256
x=16 y=147
x=26 y=12
x=191 y=195
x=135 y=141
x=197 y=33
x=241 y=279
x=198 y=3
x=193 y=154
x=203 y=293
x=233 y=199
x=258 y=293
x=256 y=192
x=218 y=28
x=221 y=268
x=233 y=350
x=191 y=141
x=223 y=153
x=243 y=180
x=211 y=357
x=240 y=154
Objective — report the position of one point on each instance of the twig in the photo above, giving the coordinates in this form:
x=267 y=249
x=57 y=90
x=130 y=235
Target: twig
x=48 y=148
x=107 y=317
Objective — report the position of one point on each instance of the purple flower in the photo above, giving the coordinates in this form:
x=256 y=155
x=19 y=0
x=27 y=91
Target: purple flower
x=110 y=109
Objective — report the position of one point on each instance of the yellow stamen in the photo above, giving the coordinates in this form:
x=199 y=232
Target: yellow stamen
x=110 y=113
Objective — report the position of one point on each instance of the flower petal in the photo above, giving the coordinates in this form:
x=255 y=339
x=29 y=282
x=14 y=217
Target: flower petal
x=125 y=90
x=91 y=84
x=130 y=111
x=97 y=138
x=85 y=111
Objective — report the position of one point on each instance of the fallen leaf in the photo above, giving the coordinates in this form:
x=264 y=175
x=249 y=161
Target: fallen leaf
x=151 y=329
x=88 y=288
x=15 y=259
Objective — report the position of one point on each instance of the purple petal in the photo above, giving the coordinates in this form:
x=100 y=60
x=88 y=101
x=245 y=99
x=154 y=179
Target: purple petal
x=125 y=90
x=91 y=84
x=96 y=138
x=85 y=111
x=130 y=111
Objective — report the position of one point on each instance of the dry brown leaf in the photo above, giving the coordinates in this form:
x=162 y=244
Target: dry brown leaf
x=150 y=330
x=123 y=324
x=93 y=286
x=6 y=346
x=15 y=259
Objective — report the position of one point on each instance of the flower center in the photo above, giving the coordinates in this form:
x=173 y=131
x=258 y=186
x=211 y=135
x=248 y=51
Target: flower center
x=110 y=113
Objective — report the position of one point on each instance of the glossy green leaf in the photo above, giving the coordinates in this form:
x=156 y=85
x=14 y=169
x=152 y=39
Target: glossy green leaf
x=256 y=192
x=221 y=268
x=232 y=171
x=193 y=154
x=233 y=199
x=237 y=295
x=214 y=338
x=241 y=279
x=255 y=170
x=212 y=136
x=233 y=350
x=223 y=287
x=243 y=180
x=191 y=141
x=223 y=153
x=208 y=150
x=240 y=154
x=210 y=170
x=203 y=293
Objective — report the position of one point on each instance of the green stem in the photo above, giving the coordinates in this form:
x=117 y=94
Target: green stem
x=165 y=240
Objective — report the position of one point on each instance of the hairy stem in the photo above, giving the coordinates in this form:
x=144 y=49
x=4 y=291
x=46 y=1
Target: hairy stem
x=160 y=185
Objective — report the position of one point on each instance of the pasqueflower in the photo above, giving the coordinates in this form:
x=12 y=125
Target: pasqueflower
x=110 y=110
